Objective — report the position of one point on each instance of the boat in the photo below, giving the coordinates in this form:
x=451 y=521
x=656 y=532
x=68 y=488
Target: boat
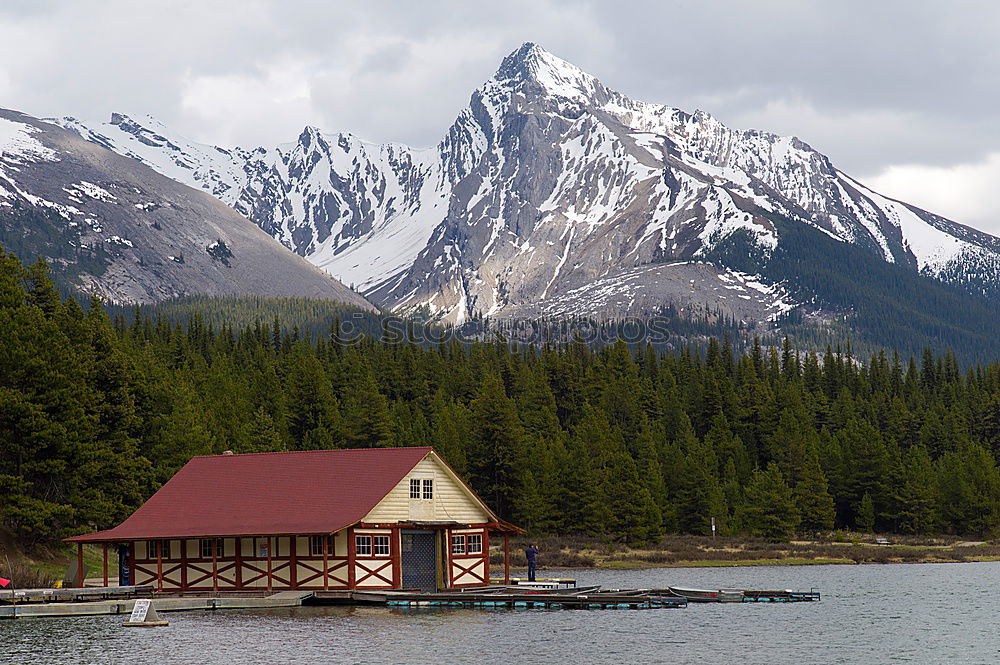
x=709 y=595
x=744 y=595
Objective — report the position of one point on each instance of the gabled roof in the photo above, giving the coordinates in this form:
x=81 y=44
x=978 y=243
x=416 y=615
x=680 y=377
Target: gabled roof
x=261 y=494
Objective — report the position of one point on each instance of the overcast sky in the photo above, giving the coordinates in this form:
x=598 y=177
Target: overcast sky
x=903 y=95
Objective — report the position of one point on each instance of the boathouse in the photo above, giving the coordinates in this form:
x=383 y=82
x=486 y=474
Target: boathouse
x=377 y=518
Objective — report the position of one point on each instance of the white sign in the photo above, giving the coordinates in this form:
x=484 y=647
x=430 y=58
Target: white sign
x=140 y=610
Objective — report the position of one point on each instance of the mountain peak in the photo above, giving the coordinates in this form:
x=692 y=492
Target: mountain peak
x=532 y=64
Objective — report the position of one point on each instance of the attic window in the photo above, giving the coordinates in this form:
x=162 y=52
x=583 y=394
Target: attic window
x=421 y=488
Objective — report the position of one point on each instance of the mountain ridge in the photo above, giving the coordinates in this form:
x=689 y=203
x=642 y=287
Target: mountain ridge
x=548 y=183
x=131 y=234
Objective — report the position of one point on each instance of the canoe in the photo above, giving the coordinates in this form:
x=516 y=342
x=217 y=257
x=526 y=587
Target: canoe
x=709 y=595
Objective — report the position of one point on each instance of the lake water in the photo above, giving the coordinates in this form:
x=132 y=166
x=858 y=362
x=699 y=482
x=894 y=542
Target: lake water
x=927 y=613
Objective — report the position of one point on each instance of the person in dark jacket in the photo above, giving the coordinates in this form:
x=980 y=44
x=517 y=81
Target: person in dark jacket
x=530 y=552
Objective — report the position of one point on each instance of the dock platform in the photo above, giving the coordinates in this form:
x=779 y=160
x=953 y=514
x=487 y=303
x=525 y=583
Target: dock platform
x=163 y=604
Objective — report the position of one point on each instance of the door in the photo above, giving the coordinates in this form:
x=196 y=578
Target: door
x=418 y=560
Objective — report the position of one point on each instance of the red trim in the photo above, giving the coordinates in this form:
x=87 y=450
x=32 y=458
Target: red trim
x=293 y=543
x=184 y=564
x=351 y=557
x=105 y=565
x=326 y=562
x=159 y=565
x=215 y=564
x=79 y=564
x=447 y=556
x=506 y=559
x=238 y=558
x=270 y=572
x=397 y=560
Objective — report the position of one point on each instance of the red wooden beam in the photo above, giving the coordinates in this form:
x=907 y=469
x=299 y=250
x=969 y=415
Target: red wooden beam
x=506 y=559
x=159 y=564
x=79 y=563
x=351 y=556
x=293 y=574
x=105 y=565
x=238 y=579
x=486 y=556
x=270 y=577
x=326 y=559
x=215 y=564
x=184 y=564
x=397 y=561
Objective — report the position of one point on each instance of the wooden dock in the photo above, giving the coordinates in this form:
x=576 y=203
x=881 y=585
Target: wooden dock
x=514 y=598
x=85 y=607
x=545 y=595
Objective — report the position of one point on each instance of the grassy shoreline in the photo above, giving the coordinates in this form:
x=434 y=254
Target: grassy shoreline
x=698 y=552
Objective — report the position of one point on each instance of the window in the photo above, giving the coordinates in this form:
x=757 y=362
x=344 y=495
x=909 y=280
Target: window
x=380 y=545
x=475 y=543
x=206 y=548
x=363 y=545
x=458 y=544
x=421 y=488
x=158 y=549
x=316 y=545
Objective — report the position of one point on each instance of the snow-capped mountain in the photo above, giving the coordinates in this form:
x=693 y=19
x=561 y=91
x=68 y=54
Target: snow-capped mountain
x=552 y=193
x=129 y=234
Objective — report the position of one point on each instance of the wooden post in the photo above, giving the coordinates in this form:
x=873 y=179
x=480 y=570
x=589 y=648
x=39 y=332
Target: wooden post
x=326 y=558
x=269 y=580
x=215 y=564
x=238 y=578
x=131 y=562
x=351 y=554
x=184 y=564
x=159 y=564
x=293 y=562
x=79 y=564
x=506 y=559
x=105 y=565
x=397 y=566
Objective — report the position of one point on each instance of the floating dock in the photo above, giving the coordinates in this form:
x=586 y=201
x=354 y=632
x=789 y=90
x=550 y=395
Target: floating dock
x=514 y=598
x=83 y=606
x=542 y=594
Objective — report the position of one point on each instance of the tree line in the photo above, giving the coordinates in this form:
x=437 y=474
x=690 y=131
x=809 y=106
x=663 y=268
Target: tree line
x=624 y=443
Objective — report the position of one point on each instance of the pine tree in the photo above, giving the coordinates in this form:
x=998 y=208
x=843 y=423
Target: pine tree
x=769 y=509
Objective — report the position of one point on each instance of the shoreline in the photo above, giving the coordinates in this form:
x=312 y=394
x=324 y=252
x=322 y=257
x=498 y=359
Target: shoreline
x=565 y=553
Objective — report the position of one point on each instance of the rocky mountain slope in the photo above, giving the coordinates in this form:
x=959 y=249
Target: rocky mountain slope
x=130 y=234
x=554 y=194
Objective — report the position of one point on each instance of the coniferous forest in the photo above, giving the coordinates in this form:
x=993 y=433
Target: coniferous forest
x=624 y=443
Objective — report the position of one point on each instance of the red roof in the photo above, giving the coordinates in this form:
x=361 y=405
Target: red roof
x=260 y=494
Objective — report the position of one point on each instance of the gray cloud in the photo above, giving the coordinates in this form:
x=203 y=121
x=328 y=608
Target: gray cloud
x=899 y=92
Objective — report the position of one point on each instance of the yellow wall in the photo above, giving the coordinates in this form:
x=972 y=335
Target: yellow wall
x=451 y=502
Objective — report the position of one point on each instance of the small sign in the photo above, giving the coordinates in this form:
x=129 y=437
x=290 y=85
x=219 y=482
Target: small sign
x=144 y=614
x=140 y=611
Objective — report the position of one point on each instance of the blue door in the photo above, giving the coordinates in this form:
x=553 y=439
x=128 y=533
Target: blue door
x=418 y=560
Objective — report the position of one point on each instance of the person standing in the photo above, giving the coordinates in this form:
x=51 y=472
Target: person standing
x=530 y=553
